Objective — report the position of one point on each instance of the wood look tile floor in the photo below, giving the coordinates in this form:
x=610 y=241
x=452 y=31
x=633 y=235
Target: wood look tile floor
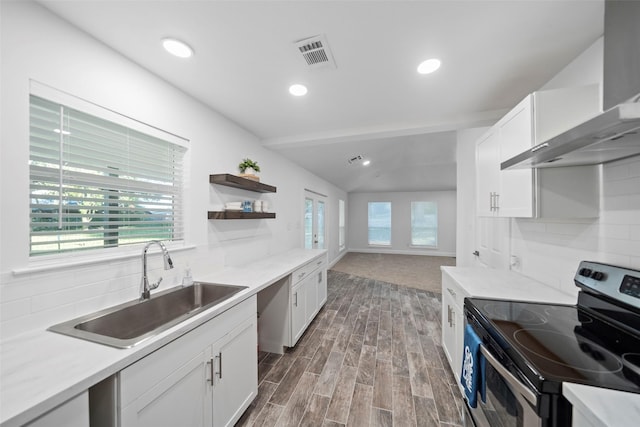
x=371 y=357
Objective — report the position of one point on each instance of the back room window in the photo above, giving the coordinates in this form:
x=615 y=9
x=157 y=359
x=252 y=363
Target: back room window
x=424 y=224
x=379 y=222
x=96 y=183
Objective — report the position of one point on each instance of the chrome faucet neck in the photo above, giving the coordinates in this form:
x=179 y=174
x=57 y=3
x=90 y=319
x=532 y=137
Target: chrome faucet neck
x=145 y=287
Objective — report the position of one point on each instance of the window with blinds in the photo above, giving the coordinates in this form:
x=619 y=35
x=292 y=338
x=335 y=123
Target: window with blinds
x=95 y=183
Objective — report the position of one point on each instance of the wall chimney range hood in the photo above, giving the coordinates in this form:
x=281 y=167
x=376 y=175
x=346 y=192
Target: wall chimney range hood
x=614 y=134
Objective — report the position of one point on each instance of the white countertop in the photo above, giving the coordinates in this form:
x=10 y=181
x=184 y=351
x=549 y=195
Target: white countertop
x=603 y=407
x=41 y=370
x=606 y=407
x=505 y=284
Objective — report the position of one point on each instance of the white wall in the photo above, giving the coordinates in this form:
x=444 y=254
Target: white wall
x=37 y=45
x=401 y=222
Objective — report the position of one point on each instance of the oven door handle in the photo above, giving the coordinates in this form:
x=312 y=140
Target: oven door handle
x=510 y=378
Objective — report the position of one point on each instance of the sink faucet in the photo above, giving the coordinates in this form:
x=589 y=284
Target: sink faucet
x=145 y=287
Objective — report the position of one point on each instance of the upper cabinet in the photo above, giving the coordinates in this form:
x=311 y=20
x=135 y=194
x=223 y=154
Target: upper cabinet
x=571 y=192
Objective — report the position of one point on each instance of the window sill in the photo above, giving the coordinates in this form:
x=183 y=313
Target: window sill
x=59 y=263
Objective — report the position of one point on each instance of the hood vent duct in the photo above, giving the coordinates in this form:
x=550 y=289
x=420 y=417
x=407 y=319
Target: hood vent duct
x=315 y=52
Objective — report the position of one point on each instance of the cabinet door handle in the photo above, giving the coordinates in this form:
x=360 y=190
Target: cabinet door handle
x=490 y=201
x=497 y=199
x=211 y=370
x=219 y=357
x=449 y=315
x=295 y=299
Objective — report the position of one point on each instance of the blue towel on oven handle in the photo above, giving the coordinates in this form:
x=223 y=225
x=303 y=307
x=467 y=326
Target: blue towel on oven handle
x=472 y=376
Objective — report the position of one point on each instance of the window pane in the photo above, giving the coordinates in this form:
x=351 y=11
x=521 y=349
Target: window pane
x=424 y=223
x=320 y=225
x=308 y=223
x=379 y=218
x=95 y=183
x=341 y=224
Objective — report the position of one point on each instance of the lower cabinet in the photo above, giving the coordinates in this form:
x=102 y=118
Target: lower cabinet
x=72 y=413
x=308 y=295
x=207 y=377
x=452 y=324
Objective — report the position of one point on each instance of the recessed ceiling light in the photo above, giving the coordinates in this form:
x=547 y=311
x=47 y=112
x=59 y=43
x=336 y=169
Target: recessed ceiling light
x=366 y=163
x=177 y=48
x=429 y=66
x=298 y=90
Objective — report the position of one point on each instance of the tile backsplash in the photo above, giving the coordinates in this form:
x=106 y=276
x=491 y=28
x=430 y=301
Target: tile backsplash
x=550 y=250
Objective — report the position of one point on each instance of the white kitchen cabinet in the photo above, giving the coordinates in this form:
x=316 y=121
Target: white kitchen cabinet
x=298 y=307
x=235 y=372
x=73 y=413
x=308 y=295
x=487 y=174
x=207 y=377
x=287 y=307
x=525 y=192
x=453 y=323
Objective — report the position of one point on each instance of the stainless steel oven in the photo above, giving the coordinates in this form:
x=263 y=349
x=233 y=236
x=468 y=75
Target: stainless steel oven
x=531 y=348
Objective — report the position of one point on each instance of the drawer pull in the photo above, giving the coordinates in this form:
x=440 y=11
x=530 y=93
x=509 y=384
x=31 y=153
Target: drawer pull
x=452 y=292
x=301 y=274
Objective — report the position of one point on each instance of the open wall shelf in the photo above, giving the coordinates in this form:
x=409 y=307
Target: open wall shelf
x=229 y=180
x=239 y=215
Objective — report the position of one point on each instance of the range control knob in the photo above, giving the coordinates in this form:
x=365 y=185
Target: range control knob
x=586 y=272
x=597 y=275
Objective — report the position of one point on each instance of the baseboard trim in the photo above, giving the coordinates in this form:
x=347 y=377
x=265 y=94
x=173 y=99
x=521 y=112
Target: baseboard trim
x=402 y=252
x=338 y=258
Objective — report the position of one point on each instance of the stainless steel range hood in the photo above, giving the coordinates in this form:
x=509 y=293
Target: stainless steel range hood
x=614 y=134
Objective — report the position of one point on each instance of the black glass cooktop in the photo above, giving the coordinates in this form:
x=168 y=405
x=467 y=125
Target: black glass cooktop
x=555 y=343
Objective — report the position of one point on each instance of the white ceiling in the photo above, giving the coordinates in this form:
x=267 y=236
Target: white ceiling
x=374 y=103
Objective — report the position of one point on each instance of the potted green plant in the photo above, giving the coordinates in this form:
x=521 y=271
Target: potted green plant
x=248 y=169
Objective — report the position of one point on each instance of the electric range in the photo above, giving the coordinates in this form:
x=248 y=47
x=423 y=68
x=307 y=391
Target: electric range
x=532 y=347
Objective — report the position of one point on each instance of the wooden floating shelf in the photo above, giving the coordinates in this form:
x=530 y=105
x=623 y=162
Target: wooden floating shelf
x=229 y=180
x=239 y=215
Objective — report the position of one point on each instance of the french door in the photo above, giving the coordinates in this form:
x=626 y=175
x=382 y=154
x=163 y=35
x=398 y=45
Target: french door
x=314 y=220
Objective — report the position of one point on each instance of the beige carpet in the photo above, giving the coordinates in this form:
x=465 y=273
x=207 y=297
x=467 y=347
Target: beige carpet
x=416 y=271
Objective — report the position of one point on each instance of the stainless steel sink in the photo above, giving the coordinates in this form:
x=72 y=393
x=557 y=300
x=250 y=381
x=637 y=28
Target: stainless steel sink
x=128 y=324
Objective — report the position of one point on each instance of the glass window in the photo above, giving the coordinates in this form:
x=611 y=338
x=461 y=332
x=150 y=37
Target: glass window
x=424 y=224
x=341 y=225
x=95 y=183
x=321 y=219
x=308 y=223
x=379 y=220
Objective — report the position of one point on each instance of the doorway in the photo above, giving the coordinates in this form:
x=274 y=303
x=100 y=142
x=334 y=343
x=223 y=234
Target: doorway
x=315 y=207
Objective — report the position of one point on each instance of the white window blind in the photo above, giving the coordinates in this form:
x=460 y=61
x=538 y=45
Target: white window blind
x=95 y=183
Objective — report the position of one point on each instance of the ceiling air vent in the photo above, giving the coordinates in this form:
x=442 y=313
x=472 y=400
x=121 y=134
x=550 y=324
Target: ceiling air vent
x=354 y=159
x=315 y=52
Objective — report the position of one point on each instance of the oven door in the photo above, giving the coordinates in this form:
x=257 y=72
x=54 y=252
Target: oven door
x=508 y=401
